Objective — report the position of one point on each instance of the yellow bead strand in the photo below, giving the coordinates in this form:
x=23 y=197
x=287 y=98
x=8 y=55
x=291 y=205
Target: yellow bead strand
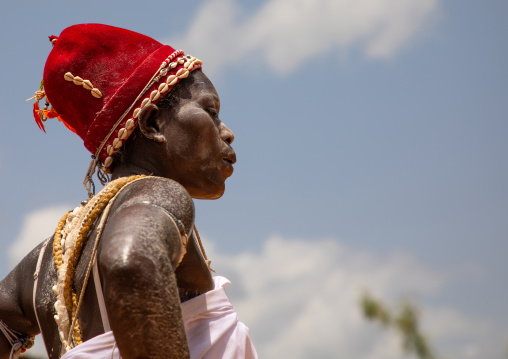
x=57 y=241
x=97 y=205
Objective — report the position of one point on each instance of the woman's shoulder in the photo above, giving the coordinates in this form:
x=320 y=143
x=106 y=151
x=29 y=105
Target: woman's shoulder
x=161 y=192
x=153 y=186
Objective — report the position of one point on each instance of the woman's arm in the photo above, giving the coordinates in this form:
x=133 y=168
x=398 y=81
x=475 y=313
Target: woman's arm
x=139 y=250
x=16 y=309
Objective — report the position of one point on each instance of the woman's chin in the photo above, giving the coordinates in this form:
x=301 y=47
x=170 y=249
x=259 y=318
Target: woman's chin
x=209 y=193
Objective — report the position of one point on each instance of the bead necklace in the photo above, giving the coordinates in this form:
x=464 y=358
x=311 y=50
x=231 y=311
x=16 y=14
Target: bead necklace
x=70 y=235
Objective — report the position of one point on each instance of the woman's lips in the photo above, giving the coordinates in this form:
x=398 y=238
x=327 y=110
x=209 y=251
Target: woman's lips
x=229 y=166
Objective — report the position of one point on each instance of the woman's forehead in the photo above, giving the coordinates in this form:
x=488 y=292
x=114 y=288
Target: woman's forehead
x=202 y=87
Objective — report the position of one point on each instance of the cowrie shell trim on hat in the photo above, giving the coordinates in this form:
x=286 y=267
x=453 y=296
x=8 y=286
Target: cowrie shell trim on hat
x=130 y=124
x=188 y=62
x=87 y=85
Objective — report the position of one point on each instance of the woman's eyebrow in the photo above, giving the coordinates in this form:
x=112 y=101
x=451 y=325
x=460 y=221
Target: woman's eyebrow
x=211 y=100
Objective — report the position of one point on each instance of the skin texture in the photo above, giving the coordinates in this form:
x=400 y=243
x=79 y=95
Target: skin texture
x=188 y=147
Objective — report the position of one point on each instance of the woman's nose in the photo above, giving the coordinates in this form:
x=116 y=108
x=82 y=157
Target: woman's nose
x=226 y=134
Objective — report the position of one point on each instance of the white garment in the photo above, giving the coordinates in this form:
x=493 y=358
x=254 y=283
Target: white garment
x=211 y=325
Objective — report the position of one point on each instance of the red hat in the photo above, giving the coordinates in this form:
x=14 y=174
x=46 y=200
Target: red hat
x=98 y=77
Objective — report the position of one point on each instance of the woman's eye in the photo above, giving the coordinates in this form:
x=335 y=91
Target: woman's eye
x=213 y=112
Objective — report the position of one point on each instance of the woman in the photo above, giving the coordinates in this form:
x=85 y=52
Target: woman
x=125 y=273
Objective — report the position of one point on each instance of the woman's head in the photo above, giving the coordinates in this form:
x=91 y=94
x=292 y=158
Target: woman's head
x=182 y=138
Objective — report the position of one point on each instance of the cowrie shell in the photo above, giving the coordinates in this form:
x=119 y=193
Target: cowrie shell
x=136 y=113
x=77 y=80
x=123 y=134
x=154 y=95
x=117 y=143
x=68 y=76
x=87 y=84
x=96 y=93
x=145 y=102
x=108 y=161
x=129 y=124
x=170 y=79
x=173 y=83
x=163 y=87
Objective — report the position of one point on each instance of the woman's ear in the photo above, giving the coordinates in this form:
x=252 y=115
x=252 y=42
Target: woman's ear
x=150 y=123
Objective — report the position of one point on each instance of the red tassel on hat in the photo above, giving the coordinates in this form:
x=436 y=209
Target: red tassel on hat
x=45 y=113
x=66 y=124
x=53 y=114
x=50 y=114
x=37 y=116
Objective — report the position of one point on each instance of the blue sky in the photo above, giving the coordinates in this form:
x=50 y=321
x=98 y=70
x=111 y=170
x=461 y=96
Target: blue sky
x=371 y=143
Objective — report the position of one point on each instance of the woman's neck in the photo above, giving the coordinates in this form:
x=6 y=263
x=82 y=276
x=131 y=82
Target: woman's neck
x=129 y=170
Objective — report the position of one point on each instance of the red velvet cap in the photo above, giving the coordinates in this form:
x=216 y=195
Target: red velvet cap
x=98 y=77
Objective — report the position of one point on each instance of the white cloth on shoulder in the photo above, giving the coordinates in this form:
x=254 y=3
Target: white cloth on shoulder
x=211 y=325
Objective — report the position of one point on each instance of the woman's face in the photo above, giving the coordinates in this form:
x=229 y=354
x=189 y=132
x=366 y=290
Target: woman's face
x=198 y=144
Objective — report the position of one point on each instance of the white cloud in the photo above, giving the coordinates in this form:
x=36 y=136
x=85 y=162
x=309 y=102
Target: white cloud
x=465 y=336
x=300 y=300
x=287 y=34
x=37 y=226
